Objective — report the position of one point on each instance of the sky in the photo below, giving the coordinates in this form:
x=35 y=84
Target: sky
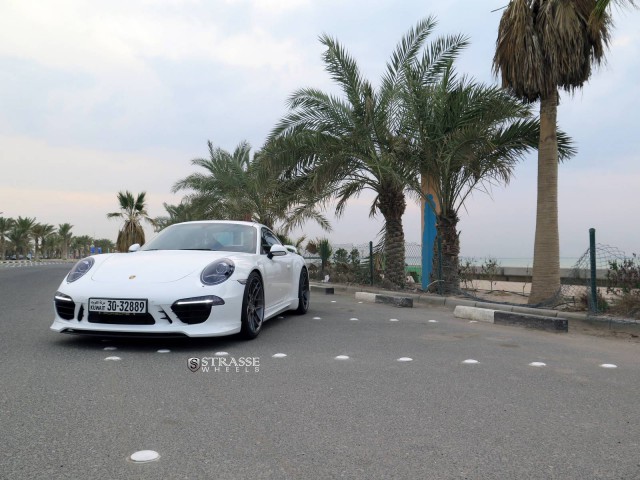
x=100 y=97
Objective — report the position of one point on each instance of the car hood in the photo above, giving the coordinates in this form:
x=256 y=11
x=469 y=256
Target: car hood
x=160 y=266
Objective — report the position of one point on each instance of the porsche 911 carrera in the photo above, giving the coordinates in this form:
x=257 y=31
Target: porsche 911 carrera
x=194 y=279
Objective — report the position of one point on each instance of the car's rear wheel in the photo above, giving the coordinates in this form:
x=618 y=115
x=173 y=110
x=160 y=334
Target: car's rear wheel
x=304 y=292
x=252 y=307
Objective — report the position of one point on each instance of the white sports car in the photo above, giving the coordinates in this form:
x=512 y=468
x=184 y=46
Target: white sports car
x=196 y=279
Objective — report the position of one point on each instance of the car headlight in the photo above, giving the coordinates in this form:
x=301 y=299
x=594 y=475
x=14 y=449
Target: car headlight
x=79 y=269
x=217 y=272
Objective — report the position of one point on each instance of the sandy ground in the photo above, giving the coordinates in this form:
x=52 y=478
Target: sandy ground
x=511 y=292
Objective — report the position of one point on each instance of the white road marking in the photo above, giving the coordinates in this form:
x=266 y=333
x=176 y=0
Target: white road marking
x=608 y=365
x=144 y=456
x=393 y=319
x=353 y=319
x=537 y=364
x=342 y=357
x=115 y=359
x=471 y=361
x=317 y=318
x=164 y=350
x=221 y=354
x=110 y=349
x=432 y=321
x=405 y=359
x=279 y=355
x=473 y=321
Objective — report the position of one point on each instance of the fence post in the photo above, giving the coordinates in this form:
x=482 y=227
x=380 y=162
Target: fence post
x=593 y=303
x=371 y=262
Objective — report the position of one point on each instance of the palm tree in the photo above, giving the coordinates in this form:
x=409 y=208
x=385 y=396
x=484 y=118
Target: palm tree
x=467 y=136
x=40 y=232
x=239 y=187
x=5 y=227
x=20 y=234
x=345 y=145
x=104 y=244
x=82 y=245
x=51 y=246
x=64 y=230
x=542 y=46
x=133 y=211
x=183 y=212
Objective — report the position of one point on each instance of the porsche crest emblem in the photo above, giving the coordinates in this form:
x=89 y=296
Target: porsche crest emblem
x=131 y=277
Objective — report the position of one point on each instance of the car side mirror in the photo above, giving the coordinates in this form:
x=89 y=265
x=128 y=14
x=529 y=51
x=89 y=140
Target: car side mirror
x=134 y=248
x=277 y=251
x=291 y=248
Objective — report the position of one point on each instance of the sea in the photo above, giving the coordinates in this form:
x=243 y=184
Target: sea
x=413 y=256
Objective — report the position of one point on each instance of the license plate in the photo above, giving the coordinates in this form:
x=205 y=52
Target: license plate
x=125 y=306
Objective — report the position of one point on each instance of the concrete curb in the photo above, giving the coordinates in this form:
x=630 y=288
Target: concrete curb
x=398 y=301
x=437 y=300
x=498 y=317
x=322 y=289
x=30 y=263
x=429 y=299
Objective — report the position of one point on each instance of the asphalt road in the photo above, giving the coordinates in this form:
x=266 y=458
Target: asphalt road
x=66 y=412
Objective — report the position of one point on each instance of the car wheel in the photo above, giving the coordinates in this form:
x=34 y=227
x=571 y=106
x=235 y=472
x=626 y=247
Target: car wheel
x=304 y=292
x=252 y=307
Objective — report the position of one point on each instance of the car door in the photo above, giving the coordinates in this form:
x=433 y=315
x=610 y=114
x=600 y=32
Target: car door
x=277 y=270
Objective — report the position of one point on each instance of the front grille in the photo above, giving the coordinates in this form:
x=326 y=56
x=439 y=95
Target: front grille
x=192 y=313
x=117 y=319
x=65 y=308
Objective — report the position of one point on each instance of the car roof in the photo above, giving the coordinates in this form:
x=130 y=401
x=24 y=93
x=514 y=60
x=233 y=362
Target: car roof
x=230 y=222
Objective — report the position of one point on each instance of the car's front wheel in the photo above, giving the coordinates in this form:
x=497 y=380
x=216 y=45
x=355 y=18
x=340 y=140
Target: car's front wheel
x=252 y=307
x=304 y=292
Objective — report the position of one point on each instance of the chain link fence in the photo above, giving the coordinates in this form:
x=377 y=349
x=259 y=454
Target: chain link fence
x=361 y=264
x=604 y=280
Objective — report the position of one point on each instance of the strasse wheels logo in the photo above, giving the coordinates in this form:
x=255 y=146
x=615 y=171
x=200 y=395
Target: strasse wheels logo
x=194 y=364
x=224 y=364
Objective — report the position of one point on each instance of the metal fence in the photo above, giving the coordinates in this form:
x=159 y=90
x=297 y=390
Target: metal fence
x=589 y=285
x=362 y=263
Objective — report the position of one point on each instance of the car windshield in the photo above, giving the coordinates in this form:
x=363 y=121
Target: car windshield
x=226 y=237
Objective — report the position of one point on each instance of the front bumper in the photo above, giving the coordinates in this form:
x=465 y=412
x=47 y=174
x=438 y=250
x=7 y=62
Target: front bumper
x=161 y=320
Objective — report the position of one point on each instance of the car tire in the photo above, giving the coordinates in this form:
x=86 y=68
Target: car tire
x=304 y=292
x=253 y=308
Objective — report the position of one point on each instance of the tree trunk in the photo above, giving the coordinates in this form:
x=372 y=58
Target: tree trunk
x=448 y=231
x=545 y=283
x=392 y=206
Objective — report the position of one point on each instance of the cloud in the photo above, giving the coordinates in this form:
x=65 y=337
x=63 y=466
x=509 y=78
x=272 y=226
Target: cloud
x=122 y=36
x=96 y=97
x=79 y=185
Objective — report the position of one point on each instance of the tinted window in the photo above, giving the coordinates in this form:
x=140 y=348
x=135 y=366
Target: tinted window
x=268 y=240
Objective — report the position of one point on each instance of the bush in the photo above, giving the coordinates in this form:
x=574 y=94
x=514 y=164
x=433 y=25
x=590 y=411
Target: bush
x=490 y=269
x=628 y=305
x=468 y=272
x=623 y=280
x=623 y=276
x=585 y=301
